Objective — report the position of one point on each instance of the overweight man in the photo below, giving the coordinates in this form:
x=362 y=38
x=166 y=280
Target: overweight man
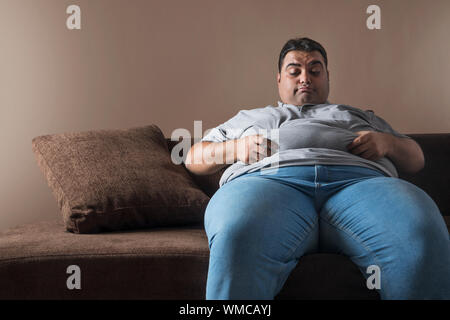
x=306 y=176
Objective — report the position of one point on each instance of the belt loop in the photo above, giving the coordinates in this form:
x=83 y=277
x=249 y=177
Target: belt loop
x=315 y=174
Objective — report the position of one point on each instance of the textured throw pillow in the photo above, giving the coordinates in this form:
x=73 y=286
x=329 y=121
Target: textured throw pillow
x=108 y=180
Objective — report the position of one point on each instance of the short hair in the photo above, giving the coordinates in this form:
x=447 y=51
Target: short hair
x=301 y=44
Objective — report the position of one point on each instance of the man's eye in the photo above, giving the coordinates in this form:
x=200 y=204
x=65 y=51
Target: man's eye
x=294 y=73
x=315 y=72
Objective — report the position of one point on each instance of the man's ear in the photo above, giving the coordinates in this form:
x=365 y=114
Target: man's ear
x=278 y=77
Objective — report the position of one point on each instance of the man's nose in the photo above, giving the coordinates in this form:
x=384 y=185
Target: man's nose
x=304 y=78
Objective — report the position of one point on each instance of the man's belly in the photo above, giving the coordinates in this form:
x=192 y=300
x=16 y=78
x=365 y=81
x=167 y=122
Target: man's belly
x=314 y=135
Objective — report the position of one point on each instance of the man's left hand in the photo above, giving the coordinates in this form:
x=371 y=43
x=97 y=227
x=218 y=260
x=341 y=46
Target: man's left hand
x=371 y=145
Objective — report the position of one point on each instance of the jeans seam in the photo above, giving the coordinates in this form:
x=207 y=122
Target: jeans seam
x=357 y=239
x=294 y=249
x=308 y=234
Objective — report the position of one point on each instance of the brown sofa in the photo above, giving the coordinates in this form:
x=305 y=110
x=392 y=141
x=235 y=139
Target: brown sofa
x=172 y=263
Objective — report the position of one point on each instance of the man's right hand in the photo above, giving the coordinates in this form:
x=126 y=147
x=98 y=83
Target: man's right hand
x=209 y=157
x=251 y=149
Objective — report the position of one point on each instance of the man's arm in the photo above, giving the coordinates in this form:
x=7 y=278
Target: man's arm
x=405 y=153
x=208 y=157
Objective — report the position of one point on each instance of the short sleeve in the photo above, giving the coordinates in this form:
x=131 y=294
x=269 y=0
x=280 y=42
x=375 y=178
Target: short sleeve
x=245 y=122
x=381 y=125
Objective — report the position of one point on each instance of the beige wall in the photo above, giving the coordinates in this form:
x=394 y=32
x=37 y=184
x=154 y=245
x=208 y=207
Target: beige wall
x=172 y=62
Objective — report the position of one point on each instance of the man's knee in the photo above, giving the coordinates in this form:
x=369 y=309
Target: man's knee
x=237 y=229
x=418 y=209
x=233 y=223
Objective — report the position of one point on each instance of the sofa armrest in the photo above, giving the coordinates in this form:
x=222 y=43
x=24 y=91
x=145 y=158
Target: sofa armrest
x=434 y=178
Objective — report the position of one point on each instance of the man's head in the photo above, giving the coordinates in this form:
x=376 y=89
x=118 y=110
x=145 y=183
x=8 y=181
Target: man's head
x=303 y=75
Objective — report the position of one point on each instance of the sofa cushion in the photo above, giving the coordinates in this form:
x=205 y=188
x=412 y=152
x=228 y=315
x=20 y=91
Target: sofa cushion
x=209 y=183
x=156 y=263
x=109 y=180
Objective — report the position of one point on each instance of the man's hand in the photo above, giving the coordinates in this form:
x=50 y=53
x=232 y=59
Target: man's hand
x=251 y=149
x=372 y=145
x=404 y=152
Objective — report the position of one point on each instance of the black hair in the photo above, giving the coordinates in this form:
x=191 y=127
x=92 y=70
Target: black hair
x=301 y=44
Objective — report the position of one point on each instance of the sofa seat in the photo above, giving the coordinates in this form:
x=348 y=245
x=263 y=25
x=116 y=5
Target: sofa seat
x=166 y=263
x=163 y=263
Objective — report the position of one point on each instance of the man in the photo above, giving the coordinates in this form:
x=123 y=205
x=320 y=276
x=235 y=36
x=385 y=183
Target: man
x=326 y=181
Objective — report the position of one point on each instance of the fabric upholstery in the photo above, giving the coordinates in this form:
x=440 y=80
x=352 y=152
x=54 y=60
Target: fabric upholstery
x=109 y=180
x=434 y=178
x=165 y=263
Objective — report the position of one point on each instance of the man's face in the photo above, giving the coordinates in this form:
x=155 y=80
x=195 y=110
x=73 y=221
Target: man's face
x=303 y=78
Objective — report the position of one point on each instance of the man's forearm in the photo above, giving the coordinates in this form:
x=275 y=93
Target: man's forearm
x=208 y=157
x=406 y=155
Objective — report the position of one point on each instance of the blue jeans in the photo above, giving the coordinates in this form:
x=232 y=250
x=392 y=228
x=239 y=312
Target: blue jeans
x=261 y=223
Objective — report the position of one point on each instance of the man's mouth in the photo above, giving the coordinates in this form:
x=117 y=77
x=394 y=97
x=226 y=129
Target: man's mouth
x=304 y=89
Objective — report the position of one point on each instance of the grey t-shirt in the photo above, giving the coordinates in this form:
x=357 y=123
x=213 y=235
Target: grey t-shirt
x=306 y=135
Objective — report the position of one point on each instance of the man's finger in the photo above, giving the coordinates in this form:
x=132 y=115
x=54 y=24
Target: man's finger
x=358 y=149
x=259 y=155
x=262 y=151
x=268 y=144
x=259 y=139
x=359 y=140
x=367 y=155
x=272 y=144
x=263 y=144
x=355 y=143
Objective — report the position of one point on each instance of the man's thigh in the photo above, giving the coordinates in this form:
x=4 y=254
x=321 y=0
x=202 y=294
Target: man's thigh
x=390 y=223
x=382 y=206
x=262 y=215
